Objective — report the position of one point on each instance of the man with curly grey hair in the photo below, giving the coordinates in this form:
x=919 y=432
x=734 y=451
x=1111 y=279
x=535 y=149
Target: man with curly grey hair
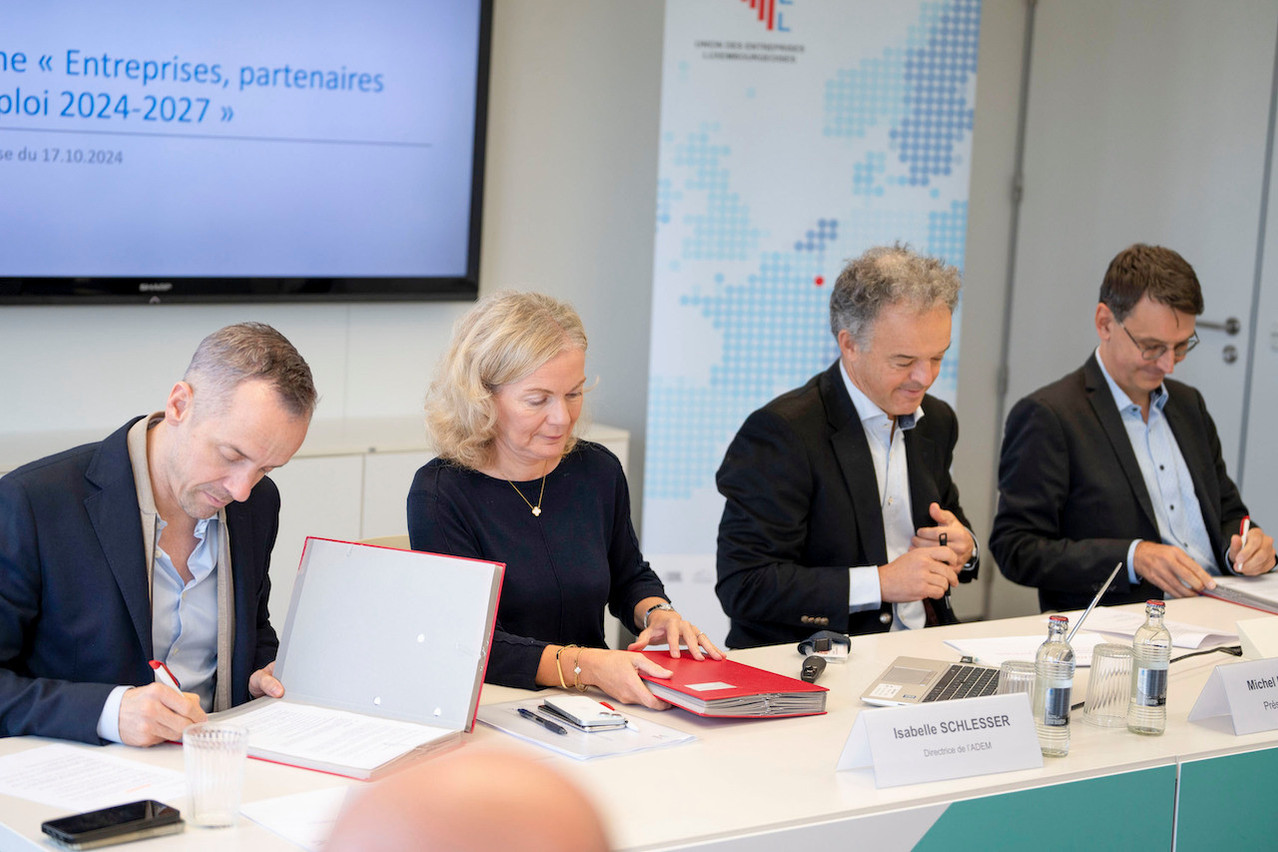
x=840 y=511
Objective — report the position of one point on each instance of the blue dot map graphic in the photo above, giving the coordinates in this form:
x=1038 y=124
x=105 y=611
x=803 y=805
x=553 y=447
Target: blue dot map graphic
x=773 y=321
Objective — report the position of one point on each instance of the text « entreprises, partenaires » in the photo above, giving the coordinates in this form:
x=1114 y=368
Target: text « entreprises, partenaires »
x=76 y=65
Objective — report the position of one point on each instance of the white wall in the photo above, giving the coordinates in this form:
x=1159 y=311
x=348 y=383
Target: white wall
x=570 y=207
x=989 y=223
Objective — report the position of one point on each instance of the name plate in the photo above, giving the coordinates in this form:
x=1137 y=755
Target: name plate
x=1247 y=692
x=944 y=739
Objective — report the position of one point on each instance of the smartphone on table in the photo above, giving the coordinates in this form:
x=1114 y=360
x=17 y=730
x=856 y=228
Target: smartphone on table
x=117 y=824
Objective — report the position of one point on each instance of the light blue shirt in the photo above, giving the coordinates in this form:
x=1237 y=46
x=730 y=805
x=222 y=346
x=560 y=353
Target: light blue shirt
x=1162 y=467
x=184 y=615
x=183 y=623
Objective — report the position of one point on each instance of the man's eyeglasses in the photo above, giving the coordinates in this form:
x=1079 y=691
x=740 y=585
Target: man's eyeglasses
x=1154 y=351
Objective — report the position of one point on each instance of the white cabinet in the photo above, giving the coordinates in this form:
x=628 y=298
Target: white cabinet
x=319 y=496
x=387 y=477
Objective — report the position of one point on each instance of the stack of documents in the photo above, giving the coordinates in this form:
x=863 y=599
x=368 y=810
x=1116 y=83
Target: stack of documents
x=1257 y=592
x=995 y=650
x=637 y=735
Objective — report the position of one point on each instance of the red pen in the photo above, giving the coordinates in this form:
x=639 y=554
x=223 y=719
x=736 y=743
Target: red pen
x=164 y=676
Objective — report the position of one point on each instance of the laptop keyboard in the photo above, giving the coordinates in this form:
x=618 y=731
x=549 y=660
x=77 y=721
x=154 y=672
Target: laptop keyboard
x=963 y=681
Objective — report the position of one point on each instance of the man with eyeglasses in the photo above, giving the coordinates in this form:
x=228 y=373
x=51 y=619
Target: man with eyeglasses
x=1117 y=463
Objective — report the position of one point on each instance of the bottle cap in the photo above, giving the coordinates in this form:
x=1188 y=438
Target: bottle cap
x=1058 y=618
x=1155 y=602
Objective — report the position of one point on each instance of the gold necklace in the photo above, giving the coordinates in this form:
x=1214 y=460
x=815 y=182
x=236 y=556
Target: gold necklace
x=536 y=510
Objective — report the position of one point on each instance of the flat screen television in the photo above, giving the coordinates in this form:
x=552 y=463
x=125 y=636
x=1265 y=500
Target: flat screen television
x=241 y=150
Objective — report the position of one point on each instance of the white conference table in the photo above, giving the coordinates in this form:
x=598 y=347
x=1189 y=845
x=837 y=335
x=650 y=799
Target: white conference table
x=764 y=784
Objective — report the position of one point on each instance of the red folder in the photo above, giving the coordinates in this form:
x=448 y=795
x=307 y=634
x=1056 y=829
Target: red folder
x=727 y=689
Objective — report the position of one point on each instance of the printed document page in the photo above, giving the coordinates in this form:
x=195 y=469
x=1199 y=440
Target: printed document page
x=85 y=779
x=332 y=736
x=305 y=819
x=1126 y=623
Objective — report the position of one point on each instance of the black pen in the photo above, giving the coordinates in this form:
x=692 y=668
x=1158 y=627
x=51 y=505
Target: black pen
x=543 y=721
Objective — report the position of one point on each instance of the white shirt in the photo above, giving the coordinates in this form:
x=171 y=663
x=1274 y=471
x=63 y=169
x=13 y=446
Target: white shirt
x=891 y=472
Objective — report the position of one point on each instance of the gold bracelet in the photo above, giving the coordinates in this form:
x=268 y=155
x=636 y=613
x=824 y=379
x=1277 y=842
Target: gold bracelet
x=559 y=666
x=576 y=671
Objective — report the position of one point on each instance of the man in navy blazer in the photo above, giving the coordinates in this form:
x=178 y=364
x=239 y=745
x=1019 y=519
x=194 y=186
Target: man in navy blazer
x=838 y=492
x=153 y=544
x=1117 y=463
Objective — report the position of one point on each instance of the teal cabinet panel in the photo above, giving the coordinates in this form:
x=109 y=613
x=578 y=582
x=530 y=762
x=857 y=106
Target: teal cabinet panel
x=1130 y=810
x=1228 y=802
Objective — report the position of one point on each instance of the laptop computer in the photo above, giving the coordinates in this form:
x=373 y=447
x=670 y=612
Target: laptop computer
x=912 y=680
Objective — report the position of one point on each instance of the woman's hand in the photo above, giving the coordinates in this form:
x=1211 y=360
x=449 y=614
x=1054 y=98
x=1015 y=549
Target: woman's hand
x=668 y=626
x=617 y=674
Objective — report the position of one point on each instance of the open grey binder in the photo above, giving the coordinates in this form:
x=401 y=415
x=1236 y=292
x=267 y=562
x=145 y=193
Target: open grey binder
x=378 y=643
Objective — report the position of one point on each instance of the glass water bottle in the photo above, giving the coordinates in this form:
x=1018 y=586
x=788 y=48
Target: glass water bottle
x=1151 y=651
x=1053 y=688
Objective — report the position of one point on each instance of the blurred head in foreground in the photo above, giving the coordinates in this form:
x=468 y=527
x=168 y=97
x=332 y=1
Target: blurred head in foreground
x=468 y=801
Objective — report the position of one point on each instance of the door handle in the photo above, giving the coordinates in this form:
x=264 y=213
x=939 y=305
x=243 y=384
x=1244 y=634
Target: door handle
x=1230 y=326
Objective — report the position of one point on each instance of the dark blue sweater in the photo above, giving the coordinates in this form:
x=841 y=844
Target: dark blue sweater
x=562 y=568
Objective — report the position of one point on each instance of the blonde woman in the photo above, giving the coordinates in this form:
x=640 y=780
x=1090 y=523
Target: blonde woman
x=512 y=483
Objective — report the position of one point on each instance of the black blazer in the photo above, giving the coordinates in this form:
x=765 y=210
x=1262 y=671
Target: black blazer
x=75 y=613
x=803 y=507
x=1071 y=496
